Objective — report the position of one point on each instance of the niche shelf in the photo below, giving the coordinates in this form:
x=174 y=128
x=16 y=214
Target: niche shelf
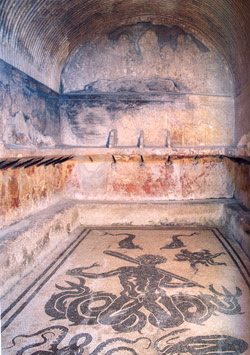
x=19 y=156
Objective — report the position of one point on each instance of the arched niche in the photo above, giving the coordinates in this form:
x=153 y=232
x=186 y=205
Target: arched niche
x=151 y=78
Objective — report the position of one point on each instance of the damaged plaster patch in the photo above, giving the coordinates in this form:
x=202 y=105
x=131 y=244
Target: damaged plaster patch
x=21 y=131
x=166 y=36
x=93 y=177
x=132 y=85
x=84 y=125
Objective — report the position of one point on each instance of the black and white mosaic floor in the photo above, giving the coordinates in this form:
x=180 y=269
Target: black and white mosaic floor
x=161 y=290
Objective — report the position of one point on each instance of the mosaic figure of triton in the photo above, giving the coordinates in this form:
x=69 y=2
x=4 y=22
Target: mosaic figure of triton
x=142 y=287
x=143 y=298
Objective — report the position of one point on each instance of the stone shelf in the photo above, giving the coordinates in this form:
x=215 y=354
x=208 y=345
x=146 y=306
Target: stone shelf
x=17 y=156
x=189 y=151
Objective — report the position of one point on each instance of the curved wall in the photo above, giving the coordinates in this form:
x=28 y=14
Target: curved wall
x=38 y=36
x=149 y=78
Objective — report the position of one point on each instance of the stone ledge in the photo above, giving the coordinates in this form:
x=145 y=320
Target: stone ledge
x=195 y=212
x=24 y=244
x=236 y=220
x=124 y=153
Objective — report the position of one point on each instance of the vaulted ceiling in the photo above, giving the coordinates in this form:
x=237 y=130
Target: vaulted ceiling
x=37 y=36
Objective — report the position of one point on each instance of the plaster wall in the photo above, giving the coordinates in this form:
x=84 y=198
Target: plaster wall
x=185 y=98
x=151 y=78
x=182 y=180
x=29 y=117
x=29 y=110
x=160 y=80
x=242 y=110
x=25 y=191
